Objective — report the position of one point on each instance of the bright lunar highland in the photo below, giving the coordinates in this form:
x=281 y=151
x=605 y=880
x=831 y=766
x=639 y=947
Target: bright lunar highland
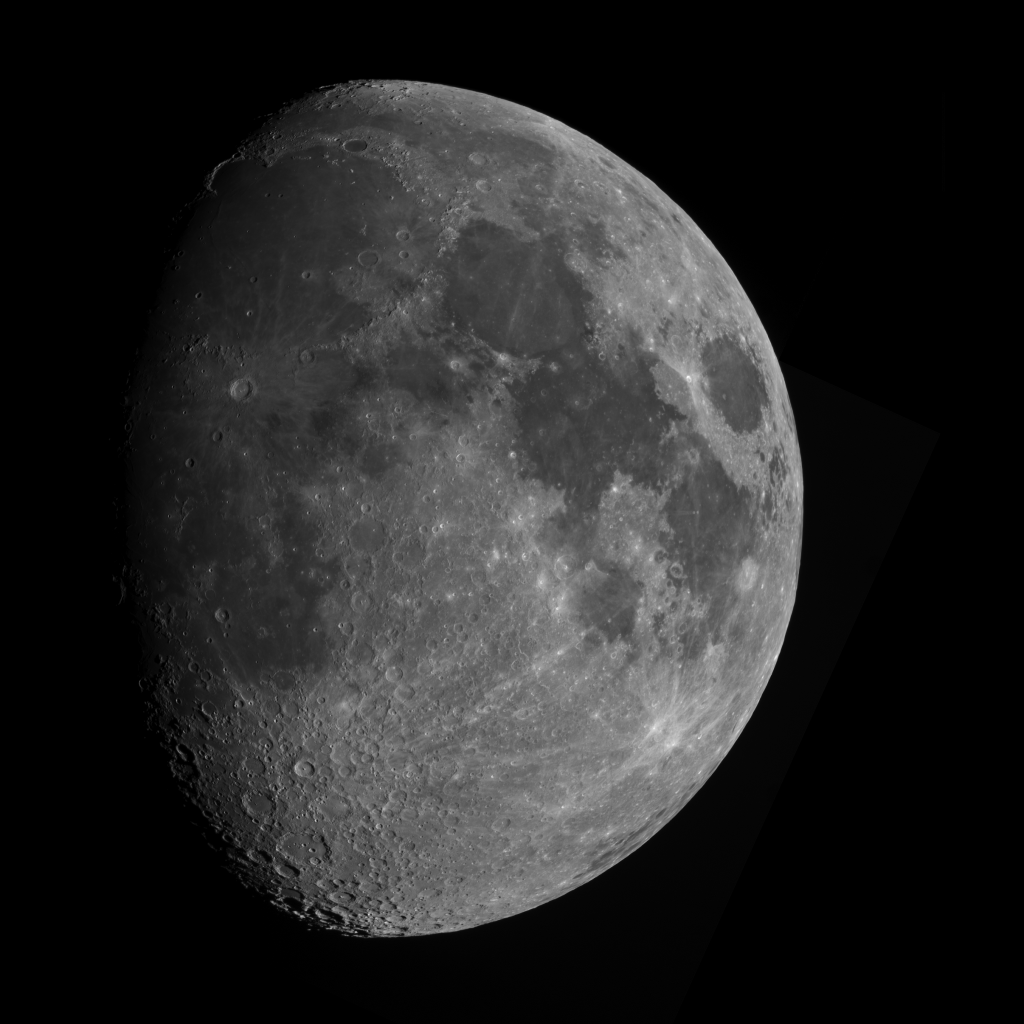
x=466 y=508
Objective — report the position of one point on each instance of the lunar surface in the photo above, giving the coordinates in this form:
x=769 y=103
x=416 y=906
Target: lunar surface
x=466 y=508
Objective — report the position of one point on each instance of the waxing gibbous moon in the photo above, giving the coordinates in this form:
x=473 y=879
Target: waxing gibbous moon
x=467 y=508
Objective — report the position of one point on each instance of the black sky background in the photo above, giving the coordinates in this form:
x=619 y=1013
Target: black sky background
x=798 y=877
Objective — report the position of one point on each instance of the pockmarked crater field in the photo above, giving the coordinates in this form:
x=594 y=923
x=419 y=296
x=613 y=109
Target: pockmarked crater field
x=466 y=508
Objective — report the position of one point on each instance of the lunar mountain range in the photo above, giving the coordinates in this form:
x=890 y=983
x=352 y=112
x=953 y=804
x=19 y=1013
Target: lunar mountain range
x=466 y=508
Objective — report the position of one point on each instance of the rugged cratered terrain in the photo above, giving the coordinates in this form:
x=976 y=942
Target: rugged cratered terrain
x=467 y=508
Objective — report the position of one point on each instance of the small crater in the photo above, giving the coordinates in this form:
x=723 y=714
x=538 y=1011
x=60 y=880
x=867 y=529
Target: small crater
x=368 y=258
x=403 y=255
x=305 y=275
x=222 y=615
x=305 y=357
x=304 y=769
x=190 y=463
x=217 y=435
x=241 y=389
x=564 y=566
x=747 y=576
x=403 y=235
x=257 y=804
x=483 y=185
x=284 y=680
x=354 y=145
x=346 y=704
x=338 y=807
x=409 y=555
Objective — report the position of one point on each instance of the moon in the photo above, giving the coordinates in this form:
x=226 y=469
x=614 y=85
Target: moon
x=466 y=505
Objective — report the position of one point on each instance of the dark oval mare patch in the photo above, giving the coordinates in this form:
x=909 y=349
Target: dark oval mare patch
x=734 y=384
